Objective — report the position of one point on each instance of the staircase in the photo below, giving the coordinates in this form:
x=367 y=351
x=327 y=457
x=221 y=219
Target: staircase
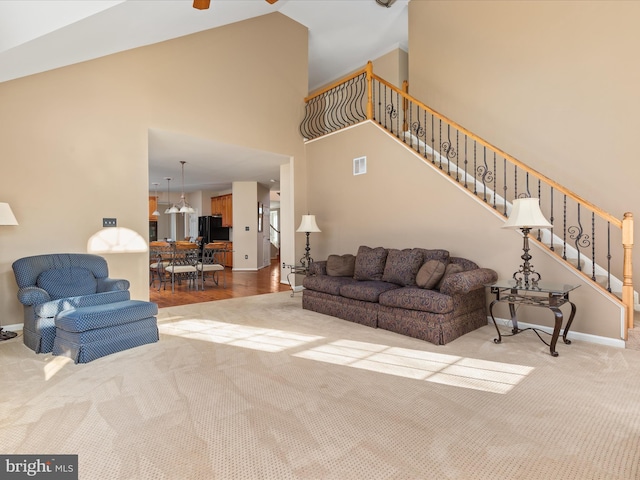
x=595 y=243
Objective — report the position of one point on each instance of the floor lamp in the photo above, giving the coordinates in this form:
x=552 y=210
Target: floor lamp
x=307 y=225
x=7 y=218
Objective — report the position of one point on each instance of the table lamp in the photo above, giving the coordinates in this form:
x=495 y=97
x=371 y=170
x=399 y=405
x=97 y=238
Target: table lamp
x=525 y=215
x=307 y=225
x=7 y=218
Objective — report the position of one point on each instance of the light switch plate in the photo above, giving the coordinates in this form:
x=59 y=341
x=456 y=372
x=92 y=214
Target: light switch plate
x=109 y=222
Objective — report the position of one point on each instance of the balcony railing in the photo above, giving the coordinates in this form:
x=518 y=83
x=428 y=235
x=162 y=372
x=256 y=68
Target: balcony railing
x=596 y=243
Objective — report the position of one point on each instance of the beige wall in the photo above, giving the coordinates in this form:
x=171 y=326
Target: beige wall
x=554 y=84
x=246 y=196
x=74 y=140
x=393 y=67
x=402 y=202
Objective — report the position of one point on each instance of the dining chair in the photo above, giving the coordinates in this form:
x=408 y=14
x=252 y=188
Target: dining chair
x=213 y=261
x=160 y=255
x=183 y=264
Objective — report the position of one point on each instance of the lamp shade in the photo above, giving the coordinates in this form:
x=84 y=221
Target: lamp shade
x=6 y=215
x=526 y=214
x=308 y=224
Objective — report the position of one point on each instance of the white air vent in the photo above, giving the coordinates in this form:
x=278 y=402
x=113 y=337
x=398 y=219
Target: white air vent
x=359 y=165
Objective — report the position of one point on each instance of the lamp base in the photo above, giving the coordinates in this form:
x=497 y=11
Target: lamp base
x=7 y=335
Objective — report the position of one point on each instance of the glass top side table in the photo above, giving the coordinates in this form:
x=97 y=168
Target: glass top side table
x=295 y=270
x=543 y=294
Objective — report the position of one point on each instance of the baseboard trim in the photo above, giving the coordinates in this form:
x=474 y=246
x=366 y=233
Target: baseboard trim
x=16 y=327
x=585 y=337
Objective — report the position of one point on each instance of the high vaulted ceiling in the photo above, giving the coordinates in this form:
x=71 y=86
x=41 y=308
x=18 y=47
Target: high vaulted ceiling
x=40 y=35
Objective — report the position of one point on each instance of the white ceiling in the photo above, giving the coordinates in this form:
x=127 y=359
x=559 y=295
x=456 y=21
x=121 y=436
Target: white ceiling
x=40 y=35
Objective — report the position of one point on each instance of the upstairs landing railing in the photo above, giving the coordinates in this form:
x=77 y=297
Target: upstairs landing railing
x=596 y=243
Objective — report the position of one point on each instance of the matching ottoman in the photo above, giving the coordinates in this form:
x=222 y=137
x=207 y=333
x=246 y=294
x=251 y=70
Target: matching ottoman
x=87 y=333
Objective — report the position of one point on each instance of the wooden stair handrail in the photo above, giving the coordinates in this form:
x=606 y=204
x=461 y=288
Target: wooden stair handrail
x=337 y=83
x=615 y=221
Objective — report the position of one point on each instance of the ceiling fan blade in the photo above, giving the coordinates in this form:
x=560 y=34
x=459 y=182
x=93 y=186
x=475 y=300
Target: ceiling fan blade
x=201 y=4
x=272 y=1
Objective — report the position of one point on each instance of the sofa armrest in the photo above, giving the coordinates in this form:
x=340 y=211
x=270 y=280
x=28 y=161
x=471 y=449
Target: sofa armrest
x=112 y=284
x=318 y=268
x=33 y=295
x=464 y=282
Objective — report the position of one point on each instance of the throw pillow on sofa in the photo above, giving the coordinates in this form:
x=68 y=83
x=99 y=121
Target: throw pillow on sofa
x=430 y=274
x=341 y=265
x=402 y=266
x=450 y=270
x=370 y=263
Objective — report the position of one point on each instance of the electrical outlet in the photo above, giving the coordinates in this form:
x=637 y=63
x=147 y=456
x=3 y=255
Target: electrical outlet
x=109 y=222
x=246 y=257
x=246 y=229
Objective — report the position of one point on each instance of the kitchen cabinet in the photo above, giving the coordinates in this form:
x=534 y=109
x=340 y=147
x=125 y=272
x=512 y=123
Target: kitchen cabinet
x=223 y=205
x=229 y=261
x=153 y=205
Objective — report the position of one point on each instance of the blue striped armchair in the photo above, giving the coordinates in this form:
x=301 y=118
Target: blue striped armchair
x=53 y=283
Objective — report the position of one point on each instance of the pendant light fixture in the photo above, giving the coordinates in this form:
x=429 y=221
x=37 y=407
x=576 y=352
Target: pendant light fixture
x=173 y=208
x=156 y=212
x=182 y=204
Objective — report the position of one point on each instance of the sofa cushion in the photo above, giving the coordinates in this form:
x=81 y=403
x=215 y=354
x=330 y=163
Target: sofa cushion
x=434 y=254
x=430 y=274
x=370 y=263
x=341 y=265
x=367 y=291
x=326 y=284
x=402 y=266
x=67 y=282
x=450 y=270
x=415 y=298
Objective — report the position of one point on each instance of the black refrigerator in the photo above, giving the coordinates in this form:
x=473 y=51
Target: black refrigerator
x=208 y=227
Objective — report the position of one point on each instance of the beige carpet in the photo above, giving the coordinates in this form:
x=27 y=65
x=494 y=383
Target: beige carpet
x=257 y=388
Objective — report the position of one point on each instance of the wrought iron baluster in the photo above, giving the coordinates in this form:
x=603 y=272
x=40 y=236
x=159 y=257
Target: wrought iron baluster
x=379 y=97
x=458 y=156
x=484 y=174
x=576 y=236
x=386 y=109
x=466 y=161
x=495 y=179
x=410 y=136
x=440 y=144
x=564 y=229
x=593 y=246
x=551 y=221
x=539 y=199
x=433 y=133
x=398 y=115
x=504 y=186
x=425 y=136
x=609 y=256
x=475 y=169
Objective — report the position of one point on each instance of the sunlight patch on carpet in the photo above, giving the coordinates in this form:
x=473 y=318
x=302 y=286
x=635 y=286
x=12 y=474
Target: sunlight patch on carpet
x=457 y=371
x=495 y=377
x=255 y=338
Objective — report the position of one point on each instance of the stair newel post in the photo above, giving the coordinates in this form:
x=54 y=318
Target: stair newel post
x=369 y=70
x=627 y=269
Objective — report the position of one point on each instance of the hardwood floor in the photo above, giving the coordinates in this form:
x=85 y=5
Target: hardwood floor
x=239 y=284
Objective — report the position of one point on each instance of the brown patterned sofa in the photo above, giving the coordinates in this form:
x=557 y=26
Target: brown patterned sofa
x=417 y=292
